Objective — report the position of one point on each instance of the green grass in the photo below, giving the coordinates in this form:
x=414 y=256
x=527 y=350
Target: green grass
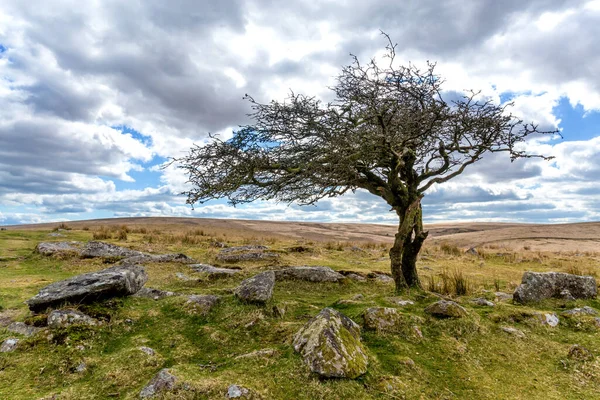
x=456 y=359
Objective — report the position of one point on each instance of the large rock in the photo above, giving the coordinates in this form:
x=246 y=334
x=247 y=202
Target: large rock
x=58 y=248
x=95 y=249
x=162 y=382
x=446 y=309
x=214 y=272
x=258 y=289
x=330 y=345
x=65 y=318
x=536 y=286
x=311 y=274
x=115 y=281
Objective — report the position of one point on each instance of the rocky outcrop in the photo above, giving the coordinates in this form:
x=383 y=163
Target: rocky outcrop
x=154 y=294
x=115 y=281
x=95 y=249
x=258 y=289
x=214 y=272
x=58 y=248
x=310 y=274
x=330 y=345
x=446 y=309
x=162 y=382
x=537 y=286
x=65 y=318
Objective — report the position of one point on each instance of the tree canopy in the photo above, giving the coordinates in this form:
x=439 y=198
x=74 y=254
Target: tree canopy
x=389 y=130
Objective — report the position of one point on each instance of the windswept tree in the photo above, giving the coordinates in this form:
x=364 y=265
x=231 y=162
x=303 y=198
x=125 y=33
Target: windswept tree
x=388 y=130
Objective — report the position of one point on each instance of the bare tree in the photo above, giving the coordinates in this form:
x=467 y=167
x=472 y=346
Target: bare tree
x=388 y=131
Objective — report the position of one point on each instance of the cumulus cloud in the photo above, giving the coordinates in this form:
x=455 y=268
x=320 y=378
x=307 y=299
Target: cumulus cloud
x=92 y=104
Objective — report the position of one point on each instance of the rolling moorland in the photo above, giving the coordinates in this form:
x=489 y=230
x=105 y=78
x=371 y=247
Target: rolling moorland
x=250 y=345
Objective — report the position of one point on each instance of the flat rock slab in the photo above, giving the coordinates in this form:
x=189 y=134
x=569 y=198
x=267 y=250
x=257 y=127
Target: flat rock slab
x=586 y=310
x=250 y=256
x=58 y=248
x=310 y=274
x=162 y=382
x=214 y=272
x=23 y=329
x=446 y=309
x=95 y=249
x=116 y=281
x=243 y=249
x=65 y=318
x=154 y=294
x=159 y=258
x=9 y=345
x=537 y=286
x=330 y=345
x=513 y=331
x=258 y=289
x=202 y=302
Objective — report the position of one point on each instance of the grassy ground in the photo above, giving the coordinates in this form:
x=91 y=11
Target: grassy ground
x=456 y=359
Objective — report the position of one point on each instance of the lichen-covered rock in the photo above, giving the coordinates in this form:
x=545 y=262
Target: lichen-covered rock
x=585 y=310
x=58 y=248
x=147 y=350
x=249 y=256
x=95 y=249
x=9 y=345
x=122 y=280
x=154 y=294
x=310 y=274
x=64 y=318
x=258 y=289
x=214 y=272
x=501 y=296
x=549 y=319
x=400 y=302
x=23 y=329
x=162 y=382
x=330 y=345
x=536 y=286
x=382 y=318
x=383 y=278
x=446 y=309
x=238 y=392
x=158 y=258
x=202 y=303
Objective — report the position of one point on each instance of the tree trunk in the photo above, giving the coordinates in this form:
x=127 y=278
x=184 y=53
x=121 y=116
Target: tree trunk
x=407 y=244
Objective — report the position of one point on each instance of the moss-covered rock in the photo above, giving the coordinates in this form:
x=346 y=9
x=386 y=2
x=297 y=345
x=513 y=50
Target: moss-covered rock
x=330 y=344
x=388 y=319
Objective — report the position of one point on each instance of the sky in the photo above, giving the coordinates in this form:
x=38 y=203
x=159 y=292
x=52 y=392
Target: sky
x=96 y=96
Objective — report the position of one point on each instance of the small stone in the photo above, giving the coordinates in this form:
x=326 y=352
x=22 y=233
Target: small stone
x=383 y=319
x=384 y=278
x=214 y=272
x=473 y=251
x=9 y=345
x=278 y=311
x=23 y=329
x=357 y=297
x=356 y=277
x=237 y=392
x=64 y=318
x=258 y=289
x=446 y=309
x=409 y=362
x=513 y=331
x=182 y=277
x=154 y=294
x=259 y=353
x=578 y=352
x=309 y=274
x=501 y=296
x=162 y=382
x=480 y=301
x=551 y=320
x=418 y=332
x=400 y=302
x=565 y=294
x=147 y=350
x=81 y=367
